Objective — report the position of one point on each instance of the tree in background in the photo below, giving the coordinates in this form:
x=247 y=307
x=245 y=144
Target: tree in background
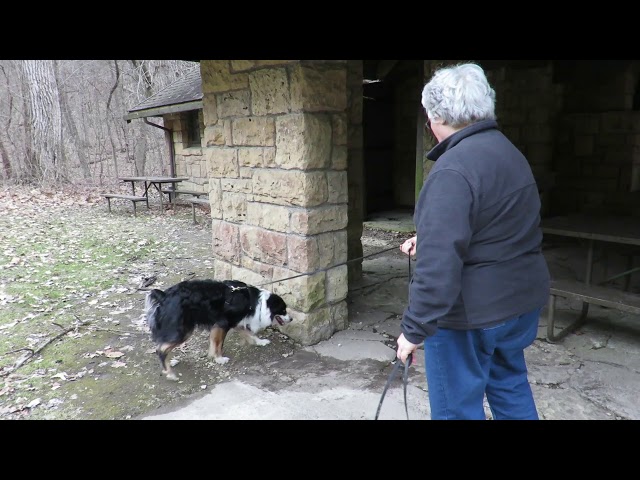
x=62 y=120
x=45 y=117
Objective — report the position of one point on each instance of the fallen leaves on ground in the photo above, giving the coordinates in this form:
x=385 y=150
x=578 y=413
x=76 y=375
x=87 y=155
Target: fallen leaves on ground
x=65 y=260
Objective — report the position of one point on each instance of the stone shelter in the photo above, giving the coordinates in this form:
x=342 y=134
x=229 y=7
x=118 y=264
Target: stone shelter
x=296 y=154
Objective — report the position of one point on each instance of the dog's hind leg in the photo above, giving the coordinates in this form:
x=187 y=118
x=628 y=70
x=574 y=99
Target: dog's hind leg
x=252 y=339
x=216 y=341
x=163 y=351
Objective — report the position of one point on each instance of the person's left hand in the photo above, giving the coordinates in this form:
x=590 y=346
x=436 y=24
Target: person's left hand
x=405 y=347
x=409 y=246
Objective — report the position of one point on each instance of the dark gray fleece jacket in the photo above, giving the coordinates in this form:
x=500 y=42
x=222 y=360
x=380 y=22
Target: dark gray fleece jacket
x=478 y=251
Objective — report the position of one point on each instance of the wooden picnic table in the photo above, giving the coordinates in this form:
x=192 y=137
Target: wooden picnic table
x=156 y=182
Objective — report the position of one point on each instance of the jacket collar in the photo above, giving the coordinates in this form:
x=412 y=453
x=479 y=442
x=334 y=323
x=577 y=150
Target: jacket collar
x=452 y=140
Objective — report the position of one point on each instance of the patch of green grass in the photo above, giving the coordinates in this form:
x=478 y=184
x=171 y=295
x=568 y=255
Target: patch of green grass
x=61 y=266
x=68 y=359
x=49 y=268
x=37 y=284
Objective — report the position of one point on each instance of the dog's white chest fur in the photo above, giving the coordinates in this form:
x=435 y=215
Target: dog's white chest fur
x=261 y=317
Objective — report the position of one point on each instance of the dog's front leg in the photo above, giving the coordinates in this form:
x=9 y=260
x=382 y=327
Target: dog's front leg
x=216 y=341
x=251 y=338
x=163 y=351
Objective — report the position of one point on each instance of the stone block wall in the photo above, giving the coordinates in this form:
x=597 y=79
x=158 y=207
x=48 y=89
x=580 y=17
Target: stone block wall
x=597 y=149
x=189 y=161
x=276 y=148
x=527 y=109
x=601 y=86
x=598 y=163
x=527 y=104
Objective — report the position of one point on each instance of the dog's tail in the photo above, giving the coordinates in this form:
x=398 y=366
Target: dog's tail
x=154 y=297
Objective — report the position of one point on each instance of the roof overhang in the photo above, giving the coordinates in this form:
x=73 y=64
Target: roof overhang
x=159 y=111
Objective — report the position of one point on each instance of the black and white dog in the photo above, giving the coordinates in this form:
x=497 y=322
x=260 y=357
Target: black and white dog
x=215 y=305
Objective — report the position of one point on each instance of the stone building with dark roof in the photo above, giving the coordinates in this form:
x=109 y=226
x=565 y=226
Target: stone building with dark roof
x=295 y=154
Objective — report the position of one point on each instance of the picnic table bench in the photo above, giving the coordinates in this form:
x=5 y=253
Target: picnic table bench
x=588 y=294
x=197 y=201
x=132 y=198
x=611 y=229
x=173 y=193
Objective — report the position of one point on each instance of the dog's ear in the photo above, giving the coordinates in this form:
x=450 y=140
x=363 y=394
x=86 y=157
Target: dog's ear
x=276 y=304
x=155 y=296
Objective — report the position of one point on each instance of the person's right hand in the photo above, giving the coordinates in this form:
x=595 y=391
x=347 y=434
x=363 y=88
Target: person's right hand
x=409 y=246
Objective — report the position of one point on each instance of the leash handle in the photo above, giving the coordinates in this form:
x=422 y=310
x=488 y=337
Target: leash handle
x=405 y=377
x=404 y=381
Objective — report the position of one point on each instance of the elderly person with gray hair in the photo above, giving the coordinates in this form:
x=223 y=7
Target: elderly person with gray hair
x=480 y=279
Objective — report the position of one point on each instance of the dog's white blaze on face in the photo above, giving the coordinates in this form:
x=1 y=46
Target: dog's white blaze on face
x=261 y=318
x=267 y=317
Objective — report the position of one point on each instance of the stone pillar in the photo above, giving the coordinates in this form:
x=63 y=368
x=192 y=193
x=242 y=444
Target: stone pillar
x=275 y=141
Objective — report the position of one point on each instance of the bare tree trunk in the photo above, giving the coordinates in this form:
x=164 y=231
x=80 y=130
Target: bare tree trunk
x=140 y=155
x=6 y=164
x=113 y=146
x=71 y=126
x=94 y=122
x=46 y=118
x=140 y=149
x=30 y=162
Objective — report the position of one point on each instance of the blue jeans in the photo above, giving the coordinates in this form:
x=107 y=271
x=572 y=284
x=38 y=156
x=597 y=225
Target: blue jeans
x=464 y=365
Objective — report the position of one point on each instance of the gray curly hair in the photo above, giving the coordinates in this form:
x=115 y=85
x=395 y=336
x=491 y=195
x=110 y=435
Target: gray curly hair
x=459 y=95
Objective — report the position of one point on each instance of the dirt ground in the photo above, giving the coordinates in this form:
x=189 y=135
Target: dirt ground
x=72 y=345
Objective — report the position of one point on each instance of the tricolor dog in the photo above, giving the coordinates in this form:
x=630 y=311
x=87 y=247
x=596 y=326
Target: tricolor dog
x=215 y=305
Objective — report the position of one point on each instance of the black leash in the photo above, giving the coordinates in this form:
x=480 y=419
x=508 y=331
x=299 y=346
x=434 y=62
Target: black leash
x=398 y=362
x=329 y=268
x=404 y=381
x=405 y=377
